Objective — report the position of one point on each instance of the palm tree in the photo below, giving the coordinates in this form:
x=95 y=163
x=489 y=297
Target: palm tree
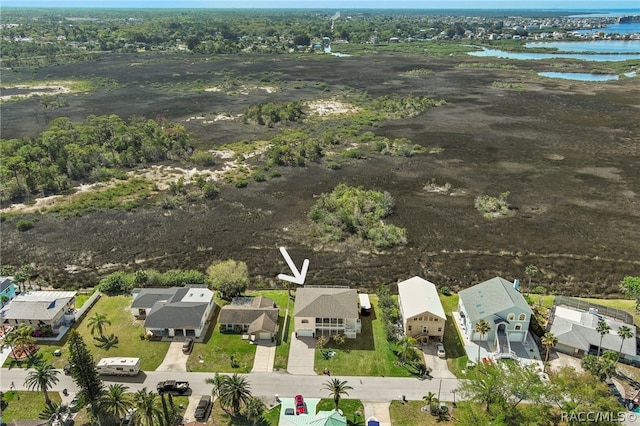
x=98 y=322
x=530 y=270
x=625 y=333
x=549 y=340
x=147 y=411
x=42 y=378
x=217 y=381
x=235 y=392
x=483 y=328
x=254 y=409
x=23 y=338
x=116 y=401
x=430 y=399
x=602 y=328
x=337 y=388
x=405 y=347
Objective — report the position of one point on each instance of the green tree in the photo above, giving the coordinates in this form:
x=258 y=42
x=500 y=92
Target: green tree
x=115 y=402
x=484 y=384
x=97 y=323
x=147 y=411
x=530 y=270
x=42 y=378
x=21 y=340
x=406 y=348
x=84 y=371
x=624 y=332
x=337 y=388
x=235 y=392
x=229 y=277
x=631 y=287
x=254 y=409
x=217 y=381
x=602 y=367
x=483 y=328
x=602 y=328
x=549 y=340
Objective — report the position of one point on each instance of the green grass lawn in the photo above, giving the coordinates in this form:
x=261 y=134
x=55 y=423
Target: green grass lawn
x=123 y=325
x=367 y=355
x=352 y=409
x=411 y=414
x=456 y=355
x=25 y=405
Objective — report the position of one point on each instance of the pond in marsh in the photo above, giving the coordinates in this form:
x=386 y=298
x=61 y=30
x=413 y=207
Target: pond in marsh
x=581 y=76
x=537 y=56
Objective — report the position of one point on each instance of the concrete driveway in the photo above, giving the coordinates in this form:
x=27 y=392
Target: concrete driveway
x=379 y=410
x=174 y=360
x=301 y=355
x=265 y=355
x=440 y=369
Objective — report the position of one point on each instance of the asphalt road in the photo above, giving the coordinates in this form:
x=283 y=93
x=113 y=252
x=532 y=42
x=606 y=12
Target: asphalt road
x=267 y=385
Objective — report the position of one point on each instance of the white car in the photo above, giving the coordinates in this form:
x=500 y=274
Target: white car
x=440 y=350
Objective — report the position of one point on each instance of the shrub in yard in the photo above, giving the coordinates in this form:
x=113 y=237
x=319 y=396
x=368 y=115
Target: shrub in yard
x=24 y=225
x=116 y=283
x=445 y=291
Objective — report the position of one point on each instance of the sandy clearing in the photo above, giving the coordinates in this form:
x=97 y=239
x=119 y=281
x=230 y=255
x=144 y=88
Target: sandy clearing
x=331 y=107
x=37 y=90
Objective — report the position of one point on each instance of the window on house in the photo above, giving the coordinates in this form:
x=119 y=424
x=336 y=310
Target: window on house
x=409 y=328
x=305 y=321
x=229 y=326
x=424 y=329
x=439 y=329
x=522 y=317
x=518 y=327
x=511 y=317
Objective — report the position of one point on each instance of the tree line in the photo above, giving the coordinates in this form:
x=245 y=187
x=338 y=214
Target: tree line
x=91 y=150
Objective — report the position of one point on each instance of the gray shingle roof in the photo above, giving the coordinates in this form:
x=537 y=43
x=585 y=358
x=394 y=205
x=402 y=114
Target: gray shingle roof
x=5 y=282
x=147 y=297
x=492 y=296
x=37 y=305
x=263 y=323
x=321 y=302
x=246 y=310
x=175 y=315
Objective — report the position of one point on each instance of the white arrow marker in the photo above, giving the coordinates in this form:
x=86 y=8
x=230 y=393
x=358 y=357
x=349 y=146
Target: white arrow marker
x=298 y=277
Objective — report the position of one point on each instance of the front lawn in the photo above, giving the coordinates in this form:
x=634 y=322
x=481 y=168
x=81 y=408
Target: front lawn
x=25 y=405
x=410 y=414
x=352 y=409
x=123 y=325
x=369 y=354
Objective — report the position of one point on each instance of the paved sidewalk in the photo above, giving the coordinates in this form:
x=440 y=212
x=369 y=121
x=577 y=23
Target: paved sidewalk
x=301 y=355
x=379 y=410
x=174 y=360
x=265 y=356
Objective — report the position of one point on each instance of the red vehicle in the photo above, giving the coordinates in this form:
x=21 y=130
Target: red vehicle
x=300 y=407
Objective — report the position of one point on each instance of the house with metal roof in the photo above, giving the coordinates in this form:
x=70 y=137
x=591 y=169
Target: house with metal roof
x=423 y=316
x=174 y=312
x=254 y=316
x=326 y=311
x=43 y=310
x=499 y=303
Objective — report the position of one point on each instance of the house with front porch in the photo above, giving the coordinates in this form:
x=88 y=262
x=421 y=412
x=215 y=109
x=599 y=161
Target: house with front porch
x=326 y=311
x=174 y=312
x=48 y=312
x=423 y=316
x=503 y=307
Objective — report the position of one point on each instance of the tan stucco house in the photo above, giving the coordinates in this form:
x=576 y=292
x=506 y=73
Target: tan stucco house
x=423 y=316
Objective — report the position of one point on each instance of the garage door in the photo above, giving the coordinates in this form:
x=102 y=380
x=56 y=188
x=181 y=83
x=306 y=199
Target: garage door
x=305 y=333
x=264 y=336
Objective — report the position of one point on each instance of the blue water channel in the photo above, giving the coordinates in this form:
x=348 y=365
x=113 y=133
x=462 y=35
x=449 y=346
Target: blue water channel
x=595 y=46
x=538 y=56
x=580 y=76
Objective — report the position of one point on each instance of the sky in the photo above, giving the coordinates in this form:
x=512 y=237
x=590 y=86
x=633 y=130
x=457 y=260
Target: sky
x=335 y=4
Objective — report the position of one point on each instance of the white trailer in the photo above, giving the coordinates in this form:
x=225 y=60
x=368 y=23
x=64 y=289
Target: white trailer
x=119 y=366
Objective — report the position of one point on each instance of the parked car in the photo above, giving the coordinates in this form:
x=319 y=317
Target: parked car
x=300 y=407
x=73 y=405
x=440 y=350
x=187 y=345
x=202 y=410
x=67 y=369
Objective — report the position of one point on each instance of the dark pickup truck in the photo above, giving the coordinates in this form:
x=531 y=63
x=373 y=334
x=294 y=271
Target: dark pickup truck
x=202 y=410
x=173 y=387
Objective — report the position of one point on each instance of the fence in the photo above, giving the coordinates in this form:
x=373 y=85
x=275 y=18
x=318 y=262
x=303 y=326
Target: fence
x=87 y=305
x=572 y=302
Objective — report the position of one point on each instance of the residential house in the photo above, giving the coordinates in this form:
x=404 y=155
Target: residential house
x=423 y=316
x=46 y=311
x=255 y=316
x=326 y=310
x=576 y=331
x=174 y=312
x=499 y=303
x=7 y=290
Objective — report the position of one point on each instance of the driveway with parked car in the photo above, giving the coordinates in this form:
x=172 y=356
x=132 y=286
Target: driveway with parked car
x=175 y=359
